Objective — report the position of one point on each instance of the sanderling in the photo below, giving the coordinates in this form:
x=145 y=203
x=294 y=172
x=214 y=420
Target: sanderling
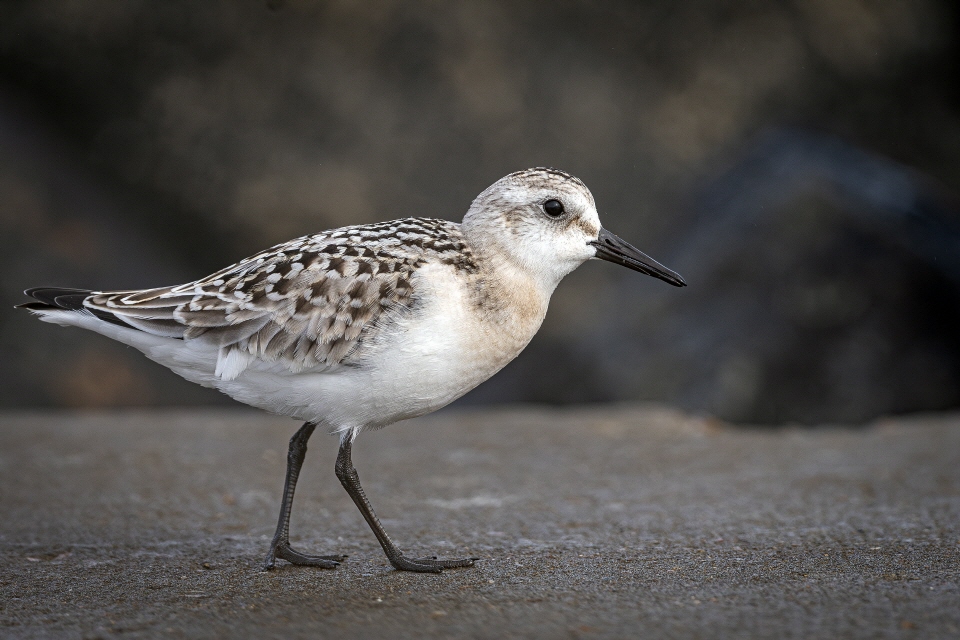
x=363 y=326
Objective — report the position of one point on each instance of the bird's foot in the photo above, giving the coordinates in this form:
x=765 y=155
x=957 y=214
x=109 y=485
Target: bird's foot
x=429 y=565
x=284 y=551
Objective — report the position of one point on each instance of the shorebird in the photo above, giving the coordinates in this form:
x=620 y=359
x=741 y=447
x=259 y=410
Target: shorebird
x=363 y=326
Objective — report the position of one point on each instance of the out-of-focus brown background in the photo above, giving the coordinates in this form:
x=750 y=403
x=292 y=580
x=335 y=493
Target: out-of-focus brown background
x=796 y=161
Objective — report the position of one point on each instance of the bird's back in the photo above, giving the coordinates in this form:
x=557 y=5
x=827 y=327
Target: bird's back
x=306 y=304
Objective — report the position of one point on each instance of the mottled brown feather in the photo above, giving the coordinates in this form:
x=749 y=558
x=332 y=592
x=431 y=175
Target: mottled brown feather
x=307 y=302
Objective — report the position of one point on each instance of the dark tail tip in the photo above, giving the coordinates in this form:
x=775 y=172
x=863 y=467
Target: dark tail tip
x=56 y=298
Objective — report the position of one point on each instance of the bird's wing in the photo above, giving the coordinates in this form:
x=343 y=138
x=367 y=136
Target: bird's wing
x=308 y=303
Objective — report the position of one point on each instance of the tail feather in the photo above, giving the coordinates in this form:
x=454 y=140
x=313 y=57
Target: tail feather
x=59 y=297
x=66 y=299
x=33 y=306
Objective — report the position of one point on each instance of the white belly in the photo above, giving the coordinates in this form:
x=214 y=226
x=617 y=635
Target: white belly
x=423 y=363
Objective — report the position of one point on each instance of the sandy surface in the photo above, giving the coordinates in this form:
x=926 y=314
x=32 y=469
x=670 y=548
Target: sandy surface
x=594 y=522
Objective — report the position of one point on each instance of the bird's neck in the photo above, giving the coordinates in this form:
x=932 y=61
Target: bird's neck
x=509 y=295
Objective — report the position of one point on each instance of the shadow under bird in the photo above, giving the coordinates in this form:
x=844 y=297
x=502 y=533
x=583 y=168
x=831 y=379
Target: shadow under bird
x=360 y=327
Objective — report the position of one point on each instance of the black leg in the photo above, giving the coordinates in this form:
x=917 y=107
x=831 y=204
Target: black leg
x=280 y=547
x=351 y=482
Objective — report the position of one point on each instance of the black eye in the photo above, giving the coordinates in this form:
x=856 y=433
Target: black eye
x=553 y=208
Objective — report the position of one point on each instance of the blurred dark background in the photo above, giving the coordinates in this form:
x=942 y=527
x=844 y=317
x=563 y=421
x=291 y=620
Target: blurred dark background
x=796 y=161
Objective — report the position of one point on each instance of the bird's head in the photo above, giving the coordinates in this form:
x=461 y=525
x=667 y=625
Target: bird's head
x=545 y=222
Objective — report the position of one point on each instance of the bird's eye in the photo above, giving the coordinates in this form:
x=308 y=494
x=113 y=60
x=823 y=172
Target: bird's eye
x=553 y=208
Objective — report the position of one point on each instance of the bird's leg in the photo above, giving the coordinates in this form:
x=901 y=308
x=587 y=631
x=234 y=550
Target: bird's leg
x=280 y=547
x=351 y=482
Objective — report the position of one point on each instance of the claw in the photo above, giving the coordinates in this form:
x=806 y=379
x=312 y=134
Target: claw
x=434 y=564
x=286 y=552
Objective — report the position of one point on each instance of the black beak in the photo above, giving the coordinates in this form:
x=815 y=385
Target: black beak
x=612 y=248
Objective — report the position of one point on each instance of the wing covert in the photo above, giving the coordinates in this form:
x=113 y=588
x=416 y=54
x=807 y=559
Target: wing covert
x=308 y=303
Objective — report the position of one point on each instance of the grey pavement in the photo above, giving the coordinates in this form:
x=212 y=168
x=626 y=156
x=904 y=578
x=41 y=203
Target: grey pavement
x=607 y=521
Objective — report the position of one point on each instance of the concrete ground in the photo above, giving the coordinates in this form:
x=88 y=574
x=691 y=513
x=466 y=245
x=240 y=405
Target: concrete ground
x=621 y=521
